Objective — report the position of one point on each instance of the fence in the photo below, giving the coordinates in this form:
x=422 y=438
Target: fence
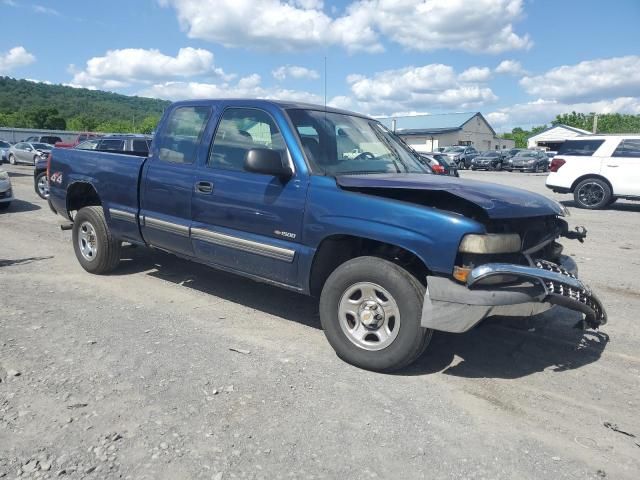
x=18 y=134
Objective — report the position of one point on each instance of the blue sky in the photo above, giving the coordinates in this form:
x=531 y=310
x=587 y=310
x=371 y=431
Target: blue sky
x=518 y=62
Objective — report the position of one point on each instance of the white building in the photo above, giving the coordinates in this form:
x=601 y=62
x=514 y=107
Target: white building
x=425 y=133
x=553 y=137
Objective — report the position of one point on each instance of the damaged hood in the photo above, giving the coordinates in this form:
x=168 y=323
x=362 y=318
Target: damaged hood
x=498 y=201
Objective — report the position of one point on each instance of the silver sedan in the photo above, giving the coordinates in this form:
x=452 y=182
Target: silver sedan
x=24 y=152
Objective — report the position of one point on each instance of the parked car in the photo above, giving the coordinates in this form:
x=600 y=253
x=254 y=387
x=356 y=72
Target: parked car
x=597 y=170
x=130 y=144
x=512 y=152
x=528 y=161
x=77 y=140
x=439 y=164
x=4 y=150
x=489 y=160
x=133 y=144
x=50 y=139
x=367 y=234
x=24 y=152
x=550 y=154
x=460 y=155
x=6 y=192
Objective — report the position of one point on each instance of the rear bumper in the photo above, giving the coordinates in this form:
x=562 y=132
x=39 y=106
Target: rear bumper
x=452 y=307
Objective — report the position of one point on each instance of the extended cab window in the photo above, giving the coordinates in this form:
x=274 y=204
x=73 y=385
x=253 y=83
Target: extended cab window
x=140 y=146
x=240 y=130
x=181 y=135
x=628 y=148
x=88 y=145
x=580 y=148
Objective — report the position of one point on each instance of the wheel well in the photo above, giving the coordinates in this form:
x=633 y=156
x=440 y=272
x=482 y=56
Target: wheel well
x=590 y=175
x=82 y=194
x=337 y=249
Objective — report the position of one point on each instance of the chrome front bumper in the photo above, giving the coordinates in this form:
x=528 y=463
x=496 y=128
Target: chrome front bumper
x=452 y=307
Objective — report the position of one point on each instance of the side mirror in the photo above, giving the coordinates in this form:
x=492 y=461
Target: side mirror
x=267 y=162
x=28 y=149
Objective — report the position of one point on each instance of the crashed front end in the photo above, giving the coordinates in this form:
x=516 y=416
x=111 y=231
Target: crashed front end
x=516 y=269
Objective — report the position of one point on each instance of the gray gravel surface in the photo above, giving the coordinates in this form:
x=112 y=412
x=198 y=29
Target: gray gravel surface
x=169 y=370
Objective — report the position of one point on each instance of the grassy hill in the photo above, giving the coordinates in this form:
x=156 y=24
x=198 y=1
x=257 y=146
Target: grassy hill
x=37 y=105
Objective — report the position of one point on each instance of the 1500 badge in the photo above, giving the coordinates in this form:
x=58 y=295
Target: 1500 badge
x=284 y=234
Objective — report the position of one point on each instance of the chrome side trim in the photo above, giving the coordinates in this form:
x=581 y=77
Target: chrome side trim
x=122 y=215
x=250 y=246
x=168 y=227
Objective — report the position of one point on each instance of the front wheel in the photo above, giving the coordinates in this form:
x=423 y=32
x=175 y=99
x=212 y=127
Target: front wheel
x=42 y=185
x=95 y=247
x=592 y=194
x=371 y=311
x=12 y=159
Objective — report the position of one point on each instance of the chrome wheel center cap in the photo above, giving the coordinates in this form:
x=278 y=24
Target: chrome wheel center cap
x=371 y=315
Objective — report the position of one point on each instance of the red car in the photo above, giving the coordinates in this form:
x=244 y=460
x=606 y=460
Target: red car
x=79 y=139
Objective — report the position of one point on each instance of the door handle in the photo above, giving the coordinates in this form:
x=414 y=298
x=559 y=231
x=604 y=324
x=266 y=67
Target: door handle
x=613 y=166
x=204 y=187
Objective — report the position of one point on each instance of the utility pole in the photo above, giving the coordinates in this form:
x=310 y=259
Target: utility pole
x=595 y=123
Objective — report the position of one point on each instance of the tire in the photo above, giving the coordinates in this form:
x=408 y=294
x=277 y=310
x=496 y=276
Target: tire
x=592 y=194
x=12 y=159
x=95 y=247
x=35 y=159
x=4 y=205
x=400 y=337
x=41 y=186
x=498 y=166
x=508 y=170
x=612 y=201
x=473 y=169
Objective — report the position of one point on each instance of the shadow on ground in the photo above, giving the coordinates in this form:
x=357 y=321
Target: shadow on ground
x=499 y=348
x=618 y=206
x=22 y=261
x=234 y=288
x=18 y=206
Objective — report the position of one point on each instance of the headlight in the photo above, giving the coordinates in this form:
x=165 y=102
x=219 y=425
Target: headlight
x=491 y=243
x=4 y=176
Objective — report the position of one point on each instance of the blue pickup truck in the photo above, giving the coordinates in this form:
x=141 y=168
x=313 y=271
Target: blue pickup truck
x=328 y=203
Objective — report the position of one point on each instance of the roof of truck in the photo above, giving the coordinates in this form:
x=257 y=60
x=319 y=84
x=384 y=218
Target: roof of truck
x=283 y=104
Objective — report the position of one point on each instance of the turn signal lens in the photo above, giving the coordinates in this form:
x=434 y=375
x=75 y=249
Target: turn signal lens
x=461 y=273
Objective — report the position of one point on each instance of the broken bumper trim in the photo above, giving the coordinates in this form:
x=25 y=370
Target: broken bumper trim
x=452 y=307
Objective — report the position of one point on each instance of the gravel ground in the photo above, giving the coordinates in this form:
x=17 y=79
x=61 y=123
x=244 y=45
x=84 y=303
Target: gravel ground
x=168 y=369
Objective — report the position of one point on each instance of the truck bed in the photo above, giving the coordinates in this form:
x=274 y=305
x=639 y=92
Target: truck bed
x=114 y=176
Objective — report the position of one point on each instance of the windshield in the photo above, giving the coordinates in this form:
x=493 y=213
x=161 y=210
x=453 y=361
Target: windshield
x=4 y=144
x=338 y=144
x=453 y=149
x=490 y=153
x=527 y=154
x=41 y=146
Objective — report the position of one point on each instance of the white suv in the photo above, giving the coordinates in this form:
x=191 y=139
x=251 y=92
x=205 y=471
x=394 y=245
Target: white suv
x=597 y=169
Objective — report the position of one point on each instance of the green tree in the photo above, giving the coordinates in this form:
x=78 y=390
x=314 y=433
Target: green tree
x=149 y=124
x=82 y=123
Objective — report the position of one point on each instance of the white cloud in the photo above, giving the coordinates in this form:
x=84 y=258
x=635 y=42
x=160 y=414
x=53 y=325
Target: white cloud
x=45 y=10
x=247 y=87
x=510 y=67
x=587 y=81
x=120 y=68
x=425 y=25
x=417 y=88
x=542 y=111
x=475 y=74
x=294 y=71
x=15 y=58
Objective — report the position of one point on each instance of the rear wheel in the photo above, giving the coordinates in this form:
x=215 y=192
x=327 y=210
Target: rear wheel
x=371 y=312
x=42 y=185
x=95 y=247
x=592 y=194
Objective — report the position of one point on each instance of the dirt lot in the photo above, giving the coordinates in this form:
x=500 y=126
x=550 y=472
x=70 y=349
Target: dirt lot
x=133 y=375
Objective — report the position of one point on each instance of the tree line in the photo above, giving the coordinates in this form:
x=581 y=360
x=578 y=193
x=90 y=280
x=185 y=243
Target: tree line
x=26 y=104
x=607 y=123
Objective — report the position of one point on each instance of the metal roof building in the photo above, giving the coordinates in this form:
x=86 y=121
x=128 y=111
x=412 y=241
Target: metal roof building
x=428 y=132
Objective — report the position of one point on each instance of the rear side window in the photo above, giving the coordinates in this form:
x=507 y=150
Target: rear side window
x=628 y=148
x=181 y=135
x=580 y=148
x=140 y=146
